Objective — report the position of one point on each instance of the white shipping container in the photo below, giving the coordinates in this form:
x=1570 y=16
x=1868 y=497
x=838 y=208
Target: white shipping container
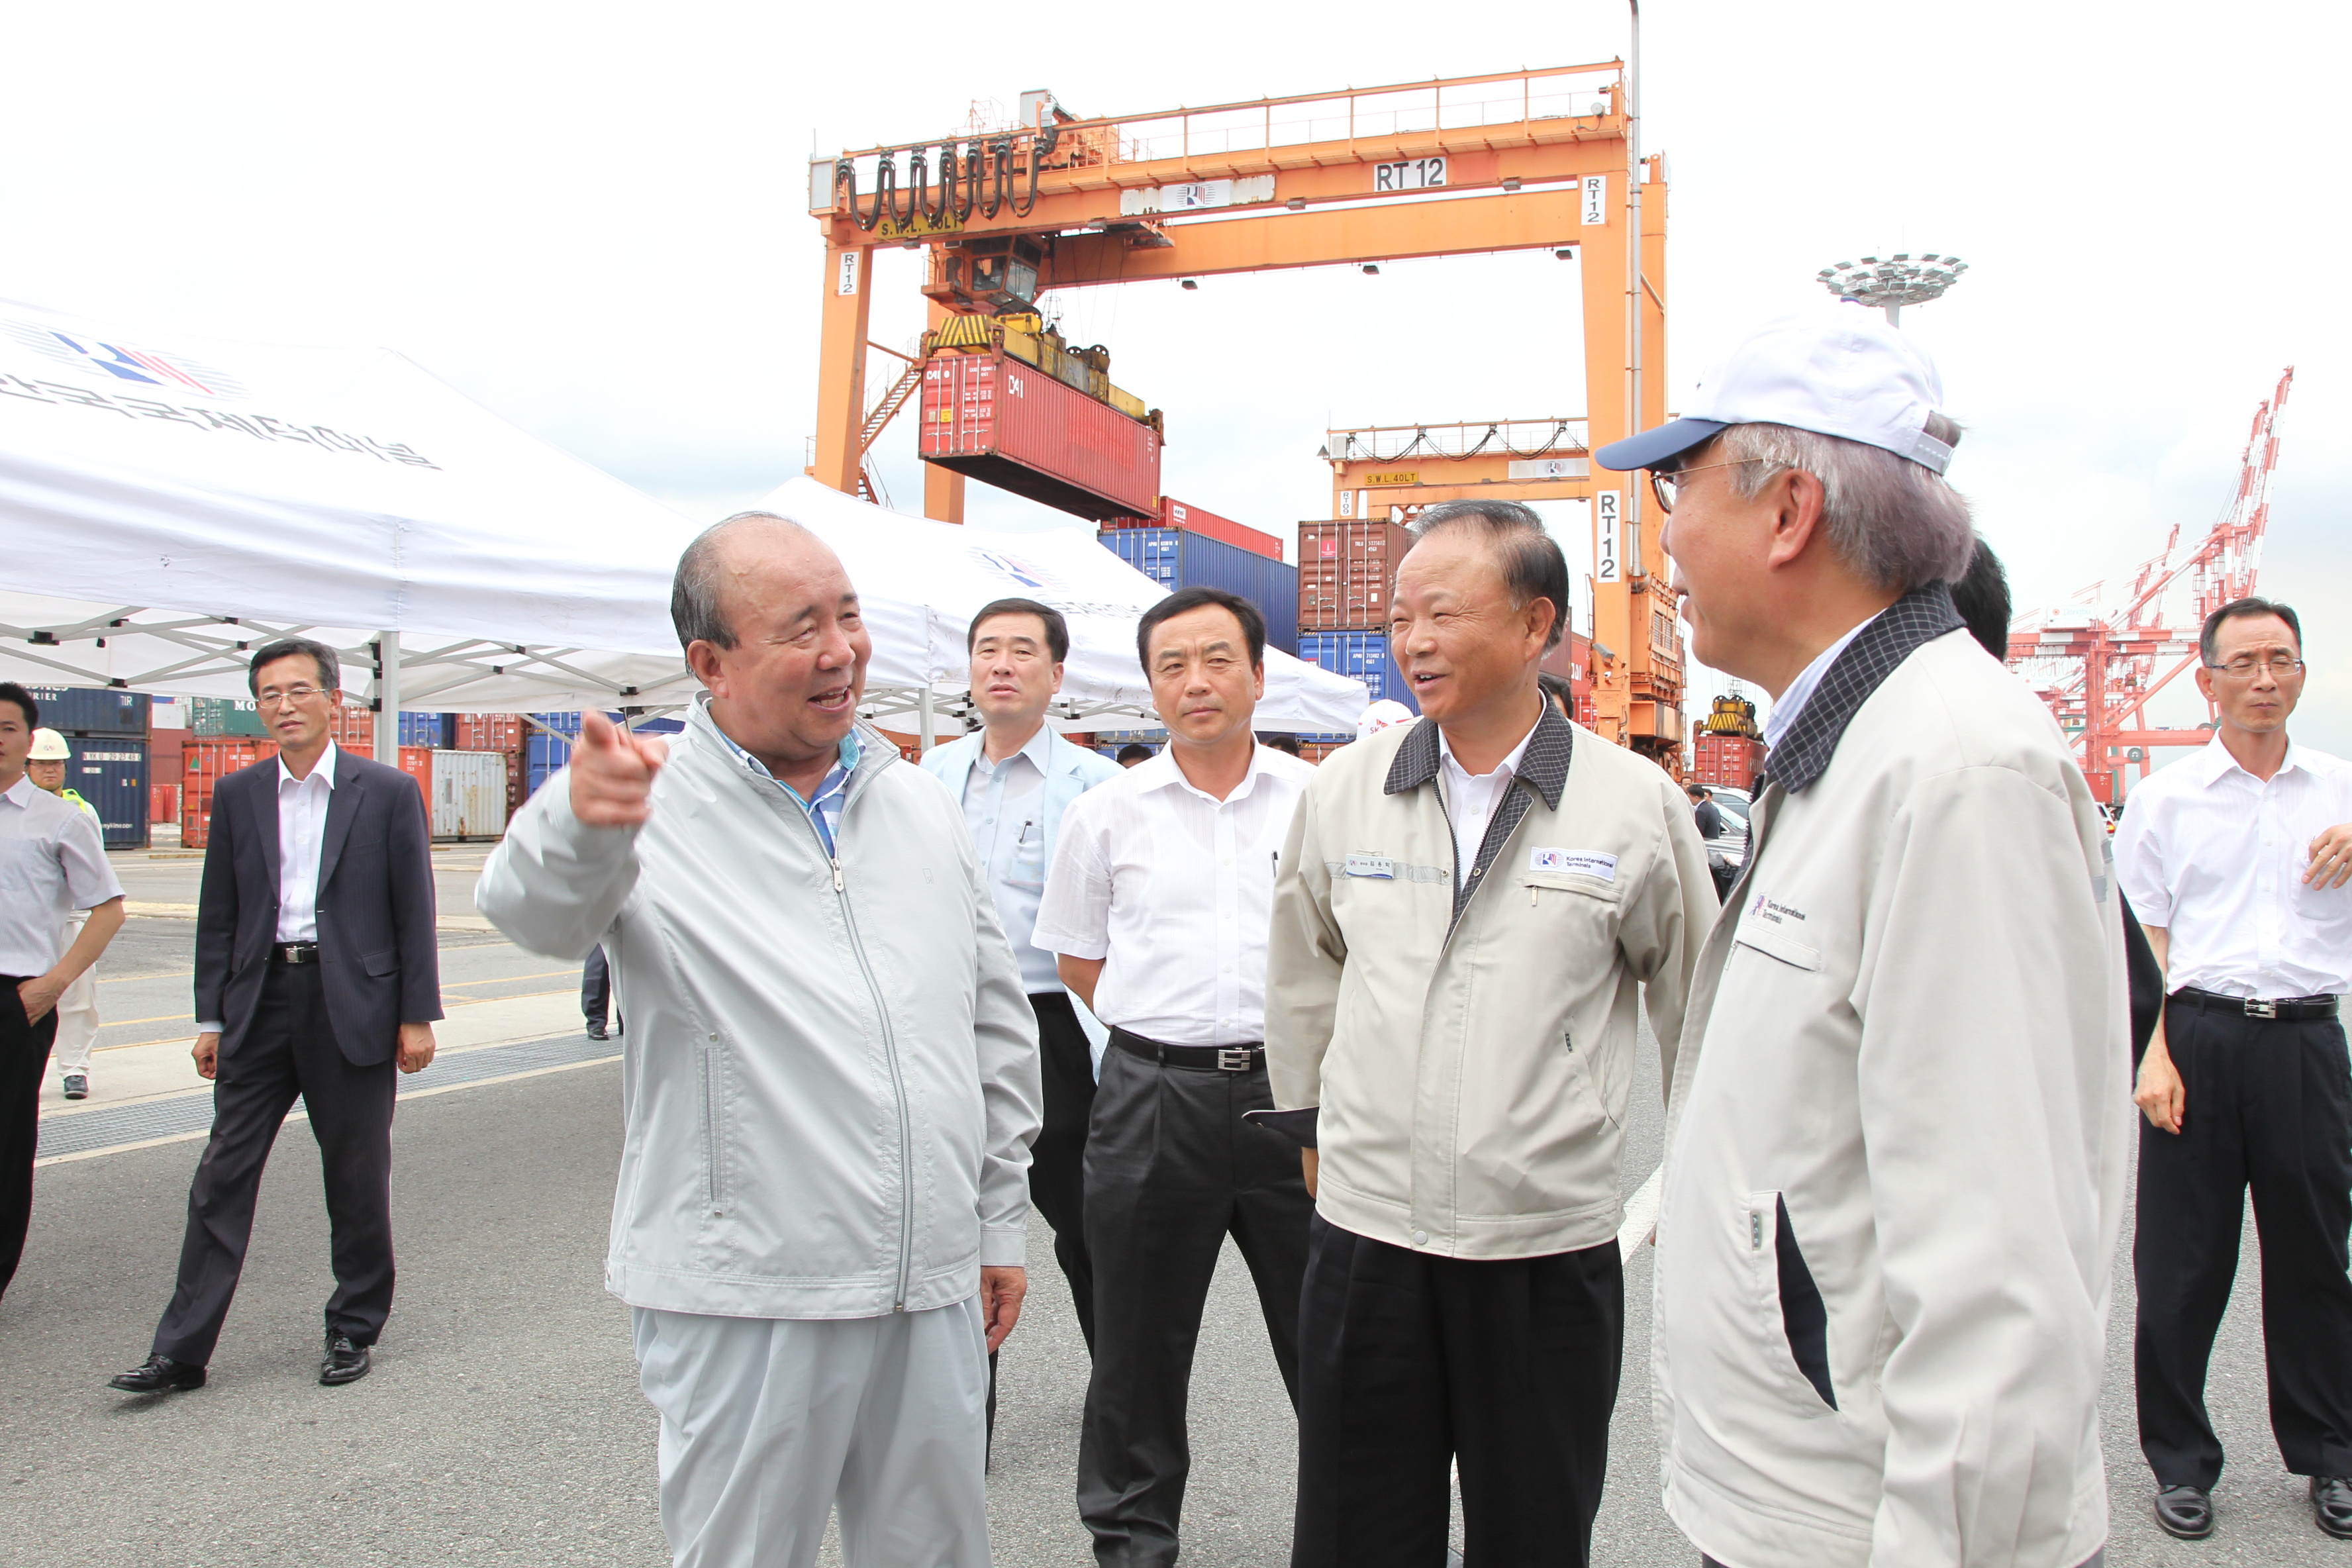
x=470 y=795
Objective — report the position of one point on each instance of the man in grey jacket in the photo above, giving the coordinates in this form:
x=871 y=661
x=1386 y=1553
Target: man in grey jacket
x=829 y=1079
x=1900 y=1122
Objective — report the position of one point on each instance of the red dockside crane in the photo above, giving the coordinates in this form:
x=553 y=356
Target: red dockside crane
x=2096 y=664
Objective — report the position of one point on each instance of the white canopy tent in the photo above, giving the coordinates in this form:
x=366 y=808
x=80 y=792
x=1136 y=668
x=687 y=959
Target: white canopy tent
x=170 y=503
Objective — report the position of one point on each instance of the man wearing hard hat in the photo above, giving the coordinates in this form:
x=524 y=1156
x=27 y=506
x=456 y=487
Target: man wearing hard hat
x=44 y=764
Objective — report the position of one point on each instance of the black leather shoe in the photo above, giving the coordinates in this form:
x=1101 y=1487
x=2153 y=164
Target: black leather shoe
x=343 y=1363
x=2331 y=1505
x=596 y=1030
x=158 y=1374
x=2186 y=1511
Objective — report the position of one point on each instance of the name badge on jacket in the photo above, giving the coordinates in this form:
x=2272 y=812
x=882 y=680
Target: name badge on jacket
x=1370 y=866
x=1587 y=862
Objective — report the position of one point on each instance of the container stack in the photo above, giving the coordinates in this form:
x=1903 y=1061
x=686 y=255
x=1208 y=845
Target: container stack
x=1346 y=570
x=106 y=731
x=1728 y=750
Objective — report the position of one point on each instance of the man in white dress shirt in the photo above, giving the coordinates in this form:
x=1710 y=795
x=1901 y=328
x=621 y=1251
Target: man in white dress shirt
x=317 y=970
x=52 y=862
x=2236 y=860
x=1017 y=779
x=1158 y=902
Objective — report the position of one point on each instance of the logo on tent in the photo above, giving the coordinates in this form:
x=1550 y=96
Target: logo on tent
x=1021 y=573
x=119 y=362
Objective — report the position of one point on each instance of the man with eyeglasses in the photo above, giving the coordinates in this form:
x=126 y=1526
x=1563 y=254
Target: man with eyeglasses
x=318 y=971
x=2236 y=860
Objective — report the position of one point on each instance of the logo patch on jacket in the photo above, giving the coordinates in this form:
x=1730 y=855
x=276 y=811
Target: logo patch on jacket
x=1586 y=862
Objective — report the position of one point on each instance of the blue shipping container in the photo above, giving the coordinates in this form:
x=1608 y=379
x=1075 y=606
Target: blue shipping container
x=1176 y=558
x=1362 y=655
x=567 y=723
x=543 y=754
x=111 y=773
x=438 y=732
x=99 y=708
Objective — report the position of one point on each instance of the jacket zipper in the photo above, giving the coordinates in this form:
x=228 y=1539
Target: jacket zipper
x=889 y=1055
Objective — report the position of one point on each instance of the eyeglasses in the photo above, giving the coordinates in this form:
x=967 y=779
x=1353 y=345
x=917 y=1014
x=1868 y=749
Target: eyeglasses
x=1662 y=484
x=2246 y=666
x=273 y=698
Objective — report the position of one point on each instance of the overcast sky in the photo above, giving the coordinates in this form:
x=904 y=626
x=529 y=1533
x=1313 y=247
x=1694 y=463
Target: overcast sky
x=592 y=218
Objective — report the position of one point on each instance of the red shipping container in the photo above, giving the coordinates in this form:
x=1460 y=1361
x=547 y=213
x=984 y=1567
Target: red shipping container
x=998 y=420
x=1726 y=759
x=162 y=803
x=490 y=731
x=205 y=760
x=1345 y=571
x=1174 y=513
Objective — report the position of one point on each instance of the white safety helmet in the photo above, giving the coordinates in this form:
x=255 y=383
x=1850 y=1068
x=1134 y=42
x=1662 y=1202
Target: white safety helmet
x=48 y=746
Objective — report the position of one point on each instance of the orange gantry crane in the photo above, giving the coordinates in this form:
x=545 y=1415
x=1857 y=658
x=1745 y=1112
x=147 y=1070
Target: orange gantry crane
x=2096 y=663
x=1513 y=160
x=1637 y=657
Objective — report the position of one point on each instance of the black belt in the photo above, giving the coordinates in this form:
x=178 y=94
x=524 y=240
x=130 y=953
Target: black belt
x=1216 y=1059
x=294 y=953
x=2291 y=1007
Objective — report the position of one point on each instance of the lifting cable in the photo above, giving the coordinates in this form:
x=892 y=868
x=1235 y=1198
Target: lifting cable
x=982 y=178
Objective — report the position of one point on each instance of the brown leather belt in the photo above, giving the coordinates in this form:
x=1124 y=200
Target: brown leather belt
x=2289 y=1007
x=1215 y=1059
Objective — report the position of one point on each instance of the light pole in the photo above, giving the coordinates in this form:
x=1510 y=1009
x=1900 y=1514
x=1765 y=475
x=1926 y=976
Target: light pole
x=1899 y=280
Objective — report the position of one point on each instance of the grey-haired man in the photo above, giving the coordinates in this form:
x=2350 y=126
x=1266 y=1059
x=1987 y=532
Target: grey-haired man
x=1899 y=1126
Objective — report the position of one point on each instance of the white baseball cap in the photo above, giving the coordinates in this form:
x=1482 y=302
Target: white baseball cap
x=1842 y=371
x=1385 y=714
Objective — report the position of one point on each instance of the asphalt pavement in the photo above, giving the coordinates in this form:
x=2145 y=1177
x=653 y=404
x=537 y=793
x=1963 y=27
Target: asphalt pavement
x=503 y=1421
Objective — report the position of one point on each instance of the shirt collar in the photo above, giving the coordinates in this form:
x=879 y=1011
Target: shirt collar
x=322 y=769
x=1038 y=749
x=1542 y=759
x=852 y=752
x=1161 y=773
x=1509 y=764
x=1791 y=702
x=21 y=793
x=2217 y=762
x=1879 y=647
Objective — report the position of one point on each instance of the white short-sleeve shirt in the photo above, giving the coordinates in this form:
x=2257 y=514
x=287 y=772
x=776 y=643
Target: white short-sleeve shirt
x=1173 y=889
x=52 y=862
x=2215 y=857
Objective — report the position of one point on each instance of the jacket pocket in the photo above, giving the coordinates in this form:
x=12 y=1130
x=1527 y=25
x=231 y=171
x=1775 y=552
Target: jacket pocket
x=711 y=1075
x=1804 y=1317
x=1787 y=949
x=381 y=964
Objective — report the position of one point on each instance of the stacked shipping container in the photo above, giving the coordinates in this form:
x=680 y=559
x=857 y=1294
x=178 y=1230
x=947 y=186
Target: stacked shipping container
x=105 y=730
x=1009 y=425
x=1176 y=558
x=1345 y=571
x=1174 y=513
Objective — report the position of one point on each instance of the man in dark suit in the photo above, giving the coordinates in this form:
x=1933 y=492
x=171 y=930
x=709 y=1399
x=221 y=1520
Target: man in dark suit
x=317 y=970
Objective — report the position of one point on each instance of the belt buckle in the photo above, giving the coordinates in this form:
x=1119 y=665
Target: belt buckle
x=2256 y=1007
x=1233 y=1059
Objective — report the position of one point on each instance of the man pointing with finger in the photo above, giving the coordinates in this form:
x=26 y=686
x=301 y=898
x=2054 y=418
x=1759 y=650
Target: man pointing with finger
x=2236 y=860
x=829 y=1079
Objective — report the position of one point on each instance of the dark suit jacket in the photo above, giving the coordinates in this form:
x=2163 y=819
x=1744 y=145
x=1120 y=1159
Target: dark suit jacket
x=2146 y=982
x=378 y=956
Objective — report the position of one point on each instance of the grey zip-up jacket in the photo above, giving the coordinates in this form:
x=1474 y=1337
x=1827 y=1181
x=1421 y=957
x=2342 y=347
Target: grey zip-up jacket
x=829 y=1077
x=1898 y=1138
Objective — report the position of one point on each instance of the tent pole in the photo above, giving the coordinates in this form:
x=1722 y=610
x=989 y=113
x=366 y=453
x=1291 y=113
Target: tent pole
x=929 y=731
x=387 y=695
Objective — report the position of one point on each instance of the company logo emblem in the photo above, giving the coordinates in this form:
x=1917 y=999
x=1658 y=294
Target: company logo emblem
x=118 y=362
x=1015 y=570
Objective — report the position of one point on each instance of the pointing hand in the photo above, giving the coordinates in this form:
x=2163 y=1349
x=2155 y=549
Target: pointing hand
x=612 y=773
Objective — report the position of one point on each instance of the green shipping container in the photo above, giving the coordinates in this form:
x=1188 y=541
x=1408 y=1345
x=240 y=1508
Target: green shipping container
x=225 y=716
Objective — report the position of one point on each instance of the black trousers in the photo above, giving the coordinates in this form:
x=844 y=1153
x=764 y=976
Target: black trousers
x=595 y=987
x=24 y=1062
x=1409 y=1363
x=1057 y=1159
x=1173 y=1170
x=2270 y=1109
x=289 y=1052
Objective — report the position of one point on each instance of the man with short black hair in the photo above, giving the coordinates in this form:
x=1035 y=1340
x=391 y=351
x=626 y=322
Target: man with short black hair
x=1016 y=780
x=77 y=1020
x=1705 y=812
x=1134 y=751
x=1472 y=911
x=318 y=972
x=56 y=863
x=1157 y=903
x=2236 y=860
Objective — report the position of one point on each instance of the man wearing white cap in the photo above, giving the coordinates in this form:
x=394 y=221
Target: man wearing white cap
x=1895 y=1154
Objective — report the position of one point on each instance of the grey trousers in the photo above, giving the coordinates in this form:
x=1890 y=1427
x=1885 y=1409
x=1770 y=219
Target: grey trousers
x=768 y=1425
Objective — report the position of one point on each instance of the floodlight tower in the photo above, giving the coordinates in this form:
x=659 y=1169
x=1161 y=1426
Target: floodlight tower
x=1899 y=280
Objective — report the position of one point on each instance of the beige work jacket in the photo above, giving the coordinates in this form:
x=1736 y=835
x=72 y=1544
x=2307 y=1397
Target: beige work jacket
x=1472 y=1054
x=1898 y=1138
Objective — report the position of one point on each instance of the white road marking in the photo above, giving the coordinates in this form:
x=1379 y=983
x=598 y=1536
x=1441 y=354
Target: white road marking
x=1641 y=1216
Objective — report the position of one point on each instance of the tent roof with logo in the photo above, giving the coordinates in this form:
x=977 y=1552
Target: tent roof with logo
x=172 y=501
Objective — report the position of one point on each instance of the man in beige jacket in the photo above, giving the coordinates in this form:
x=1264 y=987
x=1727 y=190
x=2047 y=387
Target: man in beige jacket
x=1898 y=1129
x=1468 y=912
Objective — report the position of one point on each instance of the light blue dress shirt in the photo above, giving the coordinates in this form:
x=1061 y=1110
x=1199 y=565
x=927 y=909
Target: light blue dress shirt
x=1004 y=807
x=823 y=808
